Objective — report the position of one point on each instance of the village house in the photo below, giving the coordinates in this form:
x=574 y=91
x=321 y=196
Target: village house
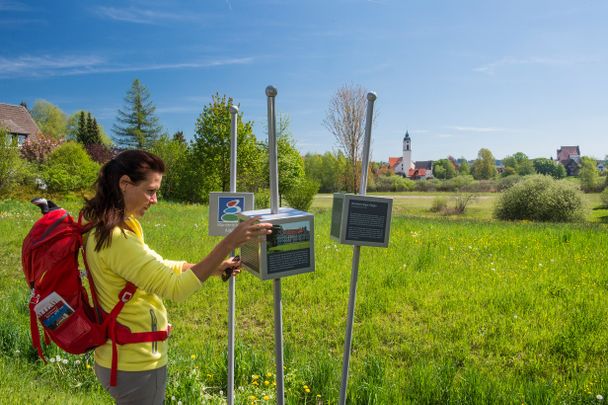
x=570 y=158
x=18 y=122
x=405 y=167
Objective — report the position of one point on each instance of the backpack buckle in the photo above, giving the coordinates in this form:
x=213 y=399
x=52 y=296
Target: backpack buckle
x=126 y=296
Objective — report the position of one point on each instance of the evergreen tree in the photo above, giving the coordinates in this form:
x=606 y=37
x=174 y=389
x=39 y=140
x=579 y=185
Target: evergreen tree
x=81 y=131
x=137 y=126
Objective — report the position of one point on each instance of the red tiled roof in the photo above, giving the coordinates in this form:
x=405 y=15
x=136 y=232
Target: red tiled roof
x=393 y=161
x=416 y=173
x=17 y=120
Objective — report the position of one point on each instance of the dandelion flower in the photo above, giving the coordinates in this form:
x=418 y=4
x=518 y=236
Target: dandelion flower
x=266 y=397
x=318 y=395
x=193 y=356
x=266 y=382
x=269 y=374
x=252 y=398
x=307 y=390
x=88 y=365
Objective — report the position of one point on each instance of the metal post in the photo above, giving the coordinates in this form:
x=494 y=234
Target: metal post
x=271 y=93
x=232 y=281
x=371 y=97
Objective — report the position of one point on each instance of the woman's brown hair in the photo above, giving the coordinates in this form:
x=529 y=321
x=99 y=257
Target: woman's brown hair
x=107 y=208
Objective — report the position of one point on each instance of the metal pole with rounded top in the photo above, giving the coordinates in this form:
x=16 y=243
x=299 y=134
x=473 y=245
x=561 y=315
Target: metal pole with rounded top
x=232 y=281
x=371 y=98
x=271 y=93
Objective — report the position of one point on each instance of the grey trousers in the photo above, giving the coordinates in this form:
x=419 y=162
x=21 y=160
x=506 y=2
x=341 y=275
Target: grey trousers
x=135 y=387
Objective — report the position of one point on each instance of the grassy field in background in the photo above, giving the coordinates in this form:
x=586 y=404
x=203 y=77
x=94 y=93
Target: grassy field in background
x=456 y=310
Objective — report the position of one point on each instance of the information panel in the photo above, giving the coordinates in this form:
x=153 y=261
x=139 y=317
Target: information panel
x=288 y=250
x=361 y=220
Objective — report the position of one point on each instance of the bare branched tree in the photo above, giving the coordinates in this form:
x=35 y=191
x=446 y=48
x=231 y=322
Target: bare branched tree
x=345 y=119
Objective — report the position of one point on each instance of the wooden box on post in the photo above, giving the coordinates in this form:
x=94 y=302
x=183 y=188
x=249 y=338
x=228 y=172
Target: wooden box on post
x=224 y=208
x=289 y=250
x=361 y=220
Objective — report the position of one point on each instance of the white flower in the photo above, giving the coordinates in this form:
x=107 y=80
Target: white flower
x=172 y=397
x=64 y=361
x=58 y=358
x=179 y=402
x=599 y=397
x=52 y=359
x=221 y=392
x=77 y=362
x=17 y=351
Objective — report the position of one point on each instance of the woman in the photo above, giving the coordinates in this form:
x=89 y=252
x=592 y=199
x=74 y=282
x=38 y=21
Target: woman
x=117 y=254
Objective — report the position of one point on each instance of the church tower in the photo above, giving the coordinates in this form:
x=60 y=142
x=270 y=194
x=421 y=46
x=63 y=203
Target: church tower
x=407 y=153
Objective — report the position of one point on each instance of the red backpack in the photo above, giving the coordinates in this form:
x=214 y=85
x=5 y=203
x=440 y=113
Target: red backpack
x=59 y=300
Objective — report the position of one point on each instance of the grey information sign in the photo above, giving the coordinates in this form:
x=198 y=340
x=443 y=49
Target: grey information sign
x=287 y=251
x=361 y=220
x=224 y=209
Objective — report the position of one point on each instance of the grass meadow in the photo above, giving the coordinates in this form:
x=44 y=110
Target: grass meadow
x=456 y=310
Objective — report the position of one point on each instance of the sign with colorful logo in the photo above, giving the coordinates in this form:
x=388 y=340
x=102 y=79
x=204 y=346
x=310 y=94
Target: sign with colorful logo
x=223 y=211
x=229 y=208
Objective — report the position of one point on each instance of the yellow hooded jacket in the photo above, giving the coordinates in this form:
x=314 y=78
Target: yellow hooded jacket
x=128 y=258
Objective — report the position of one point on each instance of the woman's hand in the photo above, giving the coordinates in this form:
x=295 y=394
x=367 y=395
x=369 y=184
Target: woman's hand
x=229 y=268
x=248 y=230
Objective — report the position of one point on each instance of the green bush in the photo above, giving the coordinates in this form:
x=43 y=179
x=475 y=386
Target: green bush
x=301 y=195
x=506 y=183
x=540 y=198
x=440 y=204
x=69 y=168
x=457 y=183
x=604 y=198
x=391 y=183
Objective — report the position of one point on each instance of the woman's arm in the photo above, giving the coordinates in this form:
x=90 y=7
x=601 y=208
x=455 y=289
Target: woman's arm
x=212 y=264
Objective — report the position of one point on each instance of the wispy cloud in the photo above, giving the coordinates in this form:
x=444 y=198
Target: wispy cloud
x=491 y=68
x=48 y=66
x=476 y=129
x=142 y=16
x=8 y=5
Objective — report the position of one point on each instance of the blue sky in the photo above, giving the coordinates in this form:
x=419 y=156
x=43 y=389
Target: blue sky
x=510 y=76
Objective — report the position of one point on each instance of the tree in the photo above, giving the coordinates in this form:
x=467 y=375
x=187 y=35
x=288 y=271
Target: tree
x=210 y=163
x=484 y=167
x=464 y=168
x=289 y=160
x=50 y=119
x=137 y=126
x=518 y=164
x=175 y=154
x=444 y=169
x=589 y=175
x=77 y=129
x=549 y=167
x=328 y=169
x=345 y=119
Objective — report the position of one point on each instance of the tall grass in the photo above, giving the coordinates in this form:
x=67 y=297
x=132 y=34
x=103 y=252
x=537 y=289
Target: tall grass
x=452 y=312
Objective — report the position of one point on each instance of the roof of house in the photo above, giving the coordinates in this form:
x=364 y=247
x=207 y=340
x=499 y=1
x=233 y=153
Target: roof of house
x=17 y=120
x=424 y=164
x=394 y=161
x=565 y=152
x=416 y=173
